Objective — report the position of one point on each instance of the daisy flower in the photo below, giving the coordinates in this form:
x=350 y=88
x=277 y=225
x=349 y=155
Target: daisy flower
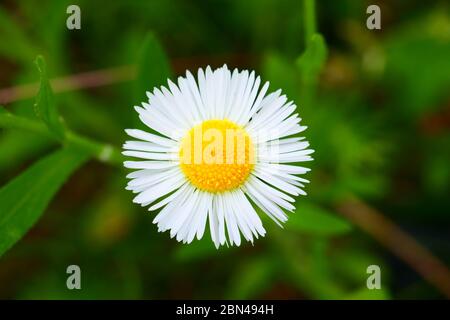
x=220 y=151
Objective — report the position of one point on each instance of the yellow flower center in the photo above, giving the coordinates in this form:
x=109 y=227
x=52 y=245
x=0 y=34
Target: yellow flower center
x=217 y=155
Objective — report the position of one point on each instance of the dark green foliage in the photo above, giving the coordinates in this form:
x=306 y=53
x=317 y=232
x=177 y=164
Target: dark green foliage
x=153 y=68
x=376 y=104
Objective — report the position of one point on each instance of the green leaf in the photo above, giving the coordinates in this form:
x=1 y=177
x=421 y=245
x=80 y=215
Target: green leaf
x=312 y=219
x=153 y=67
x=24 y=199
x=311 y=62
x=45 y=107
x=22 y=146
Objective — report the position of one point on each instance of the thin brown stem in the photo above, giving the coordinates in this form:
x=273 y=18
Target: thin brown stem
x=398 y=242
x=104 y=77
x=83 y=80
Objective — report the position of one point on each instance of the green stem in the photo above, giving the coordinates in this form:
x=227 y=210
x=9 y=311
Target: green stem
x=309 y=19
x=310 y=28
x=103 y=152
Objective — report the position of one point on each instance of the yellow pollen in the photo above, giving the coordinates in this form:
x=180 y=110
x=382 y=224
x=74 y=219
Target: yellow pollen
x=217 y=155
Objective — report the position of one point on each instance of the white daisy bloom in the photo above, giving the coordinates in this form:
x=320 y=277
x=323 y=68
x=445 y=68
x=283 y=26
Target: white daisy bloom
x=223 y=149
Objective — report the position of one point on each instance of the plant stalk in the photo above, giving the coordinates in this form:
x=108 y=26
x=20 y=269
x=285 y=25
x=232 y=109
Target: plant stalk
x=309 y=8
x=101 y=151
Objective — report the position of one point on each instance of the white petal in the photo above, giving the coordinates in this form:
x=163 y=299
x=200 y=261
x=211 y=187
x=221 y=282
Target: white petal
x=249 y=214
x=142 y=135
x=168 y=199
x=145 y=146
x=148 y=196
x=213 y=222
x=230 y=221
x=150 y=155
x=268 y=206
x=155 y=165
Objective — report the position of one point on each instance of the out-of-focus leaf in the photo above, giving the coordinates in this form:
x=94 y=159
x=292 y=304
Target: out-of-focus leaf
x=367 y=294
x=153 y=67
x=109 y=222
x=107 y=285
x=24 y=199
x=14 y=44
x=252 y=279
x=359 y=164
x=198 y=249
x=312 y=219
x=436 y=171
x=310 y=63
x=45 y=106
x=351 y=263
x=281 y=74
x=417 y=71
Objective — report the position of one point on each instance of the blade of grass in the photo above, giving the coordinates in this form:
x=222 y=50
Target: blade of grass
x=24 y=199
x=45 y=106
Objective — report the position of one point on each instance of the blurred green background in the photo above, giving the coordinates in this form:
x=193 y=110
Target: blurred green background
x=378 y=110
